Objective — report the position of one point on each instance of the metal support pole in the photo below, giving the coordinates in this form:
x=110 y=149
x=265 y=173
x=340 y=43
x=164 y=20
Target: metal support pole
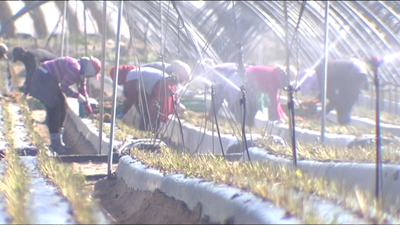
x=67 y=32
x=216 y=121
x=390 y=93
x=292 y=125
x=63 y=28
x=376 y=62
x=76 y=35
x=54 y=31
x=325 y=71
x=89 y=89
x=243 y=102
x=396 y=99
x=103 y=64
x=115 y=85
x=290 y=87
x=84 y=27
x=287 y=34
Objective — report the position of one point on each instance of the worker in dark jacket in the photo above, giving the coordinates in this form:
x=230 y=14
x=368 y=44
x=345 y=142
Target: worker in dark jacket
x=31 y=59
x=52 y=80
x=345 y=80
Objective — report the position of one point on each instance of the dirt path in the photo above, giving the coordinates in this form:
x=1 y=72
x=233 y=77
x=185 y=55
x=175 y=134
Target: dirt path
x=123 y=204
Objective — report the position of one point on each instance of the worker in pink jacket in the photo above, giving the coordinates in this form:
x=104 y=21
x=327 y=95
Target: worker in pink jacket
x=51 y=80
x=260 y=79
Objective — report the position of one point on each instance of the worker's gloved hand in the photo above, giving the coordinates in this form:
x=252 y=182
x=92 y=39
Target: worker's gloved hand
x=85 y=102
x=181 y=108
x=89 y=109
x=82 y=99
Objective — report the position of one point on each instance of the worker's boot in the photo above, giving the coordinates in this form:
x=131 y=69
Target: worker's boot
x=62 y=138
x=57 y=145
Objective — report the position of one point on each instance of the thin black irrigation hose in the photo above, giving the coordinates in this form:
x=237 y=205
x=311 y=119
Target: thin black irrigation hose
x=216 y=120
x=179 y=120
x=163 y=57
x=295 y=37
x=183 y=25
x=162 y=81
x=205 y=123
x=169 y=121
x=214 y=32
x=229 y=115
x=140 y=103
x=181 y=19
x=376 y=62
x=53 y=32
x=242 y=72
x=243 y=102
x=175 y=103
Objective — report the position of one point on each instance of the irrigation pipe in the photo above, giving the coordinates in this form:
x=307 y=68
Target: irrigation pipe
x=325 y=71
x=53 y=32
x=63 y=28
x=103 y=64
x=216 y=120
x=110 y=151
x=376 y=62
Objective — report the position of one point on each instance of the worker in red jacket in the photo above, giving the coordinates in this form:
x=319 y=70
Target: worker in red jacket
x=260 y=79
x=51 y=80
x=122 y=73
x=152 y=93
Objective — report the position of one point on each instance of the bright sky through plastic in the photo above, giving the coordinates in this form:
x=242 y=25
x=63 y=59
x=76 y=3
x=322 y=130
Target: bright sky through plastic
x=391 y=57
x=331 y=46
x=25 y=23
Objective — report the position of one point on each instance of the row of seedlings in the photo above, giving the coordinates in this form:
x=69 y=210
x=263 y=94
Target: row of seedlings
x=286 y=186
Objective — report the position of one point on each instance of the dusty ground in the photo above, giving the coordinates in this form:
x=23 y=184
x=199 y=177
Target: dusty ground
x=123 y=204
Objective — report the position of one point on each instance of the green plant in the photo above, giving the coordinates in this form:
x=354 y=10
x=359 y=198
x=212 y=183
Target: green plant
x=286 y=186
x=15 y=182
x=69 y=183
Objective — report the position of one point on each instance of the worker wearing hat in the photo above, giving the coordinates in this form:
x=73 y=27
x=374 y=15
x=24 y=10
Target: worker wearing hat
x=31 y=59
x=51 y=80
x=150 y=88
x=177 y=68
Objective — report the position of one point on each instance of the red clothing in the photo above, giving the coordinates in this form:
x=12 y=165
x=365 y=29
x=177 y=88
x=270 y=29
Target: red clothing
x=267 y=80
x=157 y=96
x=122 y=73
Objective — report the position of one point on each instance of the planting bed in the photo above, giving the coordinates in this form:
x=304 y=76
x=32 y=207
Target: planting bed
x=152 y=183
x=42 y=194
